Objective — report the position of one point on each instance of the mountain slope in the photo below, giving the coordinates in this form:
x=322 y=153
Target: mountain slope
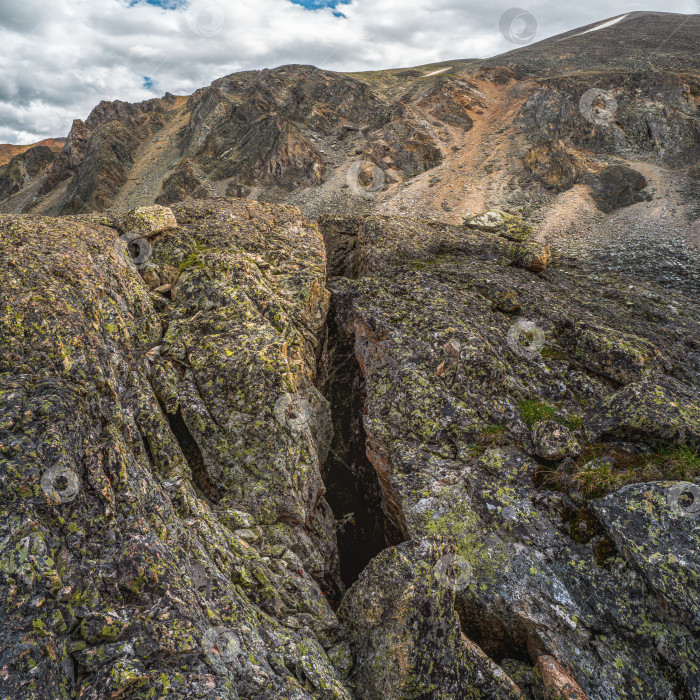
x=8 y=152
x=527 y=132
x=638 y=42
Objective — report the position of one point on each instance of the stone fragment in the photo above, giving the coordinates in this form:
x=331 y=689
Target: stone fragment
x=554 y=441
x=146 y=222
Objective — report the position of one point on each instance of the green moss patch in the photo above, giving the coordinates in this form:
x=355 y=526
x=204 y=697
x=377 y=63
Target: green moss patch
x=596 y=477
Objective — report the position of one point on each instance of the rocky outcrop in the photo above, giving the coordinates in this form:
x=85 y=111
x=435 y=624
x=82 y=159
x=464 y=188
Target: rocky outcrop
x=554 y=165
x=365 y=245
x=249 y=454
x=474 y=421
x=22 y=168
x=103 y=169
x=163 y=525
x=182 y=184
x=645 y=115
x=178 y=403
x=245 y=127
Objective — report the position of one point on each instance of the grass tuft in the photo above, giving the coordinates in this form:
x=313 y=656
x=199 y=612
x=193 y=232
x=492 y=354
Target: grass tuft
x=596 y=479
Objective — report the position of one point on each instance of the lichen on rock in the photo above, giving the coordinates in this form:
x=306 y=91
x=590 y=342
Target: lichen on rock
x=167 y=439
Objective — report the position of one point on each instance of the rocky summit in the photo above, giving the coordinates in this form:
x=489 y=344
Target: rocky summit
x=375 y=386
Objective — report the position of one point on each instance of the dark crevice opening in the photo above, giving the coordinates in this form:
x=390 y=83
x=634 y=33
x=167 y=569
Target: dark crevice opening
x=354 y=491
x=149 y=451
x=496 y=640
x=193 y=455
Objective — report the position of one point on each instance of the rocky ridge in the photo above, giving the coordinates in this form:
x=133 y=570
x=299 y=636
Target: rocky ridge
x=177 y=408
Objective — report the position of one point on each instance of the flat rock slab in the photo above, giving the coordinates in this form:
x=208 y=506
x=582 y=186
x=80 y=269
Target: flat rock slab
x=657 y=526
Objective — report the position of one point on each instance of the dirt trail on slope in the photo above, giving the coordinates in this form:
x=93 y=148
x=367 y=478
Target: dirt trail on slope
x=154 y=160
x=475 y=173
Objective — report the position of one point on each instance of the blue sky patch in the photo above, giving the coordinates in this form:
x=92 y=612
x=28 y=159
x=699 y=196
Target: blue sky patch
x=165 y=4
x=148 y=82
x=318 y=4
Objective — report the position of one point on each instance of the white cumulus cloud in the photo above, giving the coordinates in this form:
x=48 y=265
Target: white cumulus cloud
x=61 y=57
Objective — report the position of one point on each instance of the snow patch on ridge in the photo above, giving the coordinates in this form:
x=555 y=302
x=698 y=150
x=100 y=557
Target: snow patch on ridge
x=435 y=72
x=602 y=26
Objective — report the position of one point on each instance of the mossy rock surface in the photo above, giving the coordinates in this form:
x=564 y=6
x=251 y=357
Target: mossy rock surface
x=405 y=634
x=452 y=387
x=502 y=224
x=163 y=529
x=657 y=525
x=145 y=222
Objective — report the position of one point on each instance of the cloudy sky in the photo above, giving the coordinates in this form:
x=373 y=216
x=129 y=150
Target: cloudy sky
x=61 y=57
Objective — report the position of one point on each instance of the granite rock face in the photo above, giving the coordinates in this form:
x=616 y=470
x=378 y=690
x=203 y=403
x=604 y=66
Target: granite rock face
x=224 y=475
x=475 y=418
x=164 y=531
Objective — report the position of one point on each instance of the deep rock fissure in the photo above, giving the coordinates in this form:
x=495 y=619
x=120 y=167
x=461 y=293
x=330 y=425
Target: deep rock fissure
x=192 y=453
x=354 y=491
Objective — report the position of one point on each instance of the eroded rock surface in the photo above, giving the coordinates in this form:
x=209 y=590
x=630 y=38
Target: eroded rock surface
x=480 y=423
x=405 y=634
x=509 y=448
x=163 y=531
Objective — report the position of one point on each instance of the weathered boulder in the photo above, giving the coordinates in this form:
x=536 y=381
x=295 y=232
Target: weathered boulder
x=145 y=222
x=618 y=186
x=554 y=165
x=405 y=635
x=554 y=441
x=501 y=223
x=610 y=352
